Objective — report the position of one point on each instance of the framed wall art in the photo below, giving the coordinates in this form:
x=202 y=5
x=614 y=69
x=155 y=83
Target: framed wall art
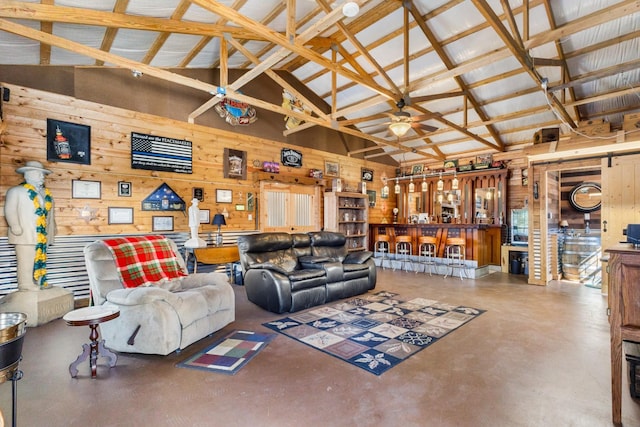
x=331 y=168
x=366 y=174
x=81 y=189
x=120 y=216
x=68 y=142
x=124 y=189
x=198 y=193
x=203 y=216
x=162 y=223
x=235 y=164
x=224 y=196
x=483 y=161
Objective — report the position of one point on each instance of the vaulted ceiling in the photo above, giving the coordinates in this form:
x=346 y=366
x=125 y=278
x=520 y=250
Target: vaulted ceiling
x=481 y=76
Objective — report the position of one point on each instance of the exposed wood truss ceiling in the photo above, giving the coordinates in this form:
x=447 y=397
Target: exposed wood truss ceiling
x=474 y=69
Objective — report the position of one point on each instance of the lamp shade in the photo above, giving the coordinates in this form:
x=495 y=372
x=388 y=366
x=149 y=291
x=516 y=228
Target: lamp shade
x=399 y=128
x=218 y=219
x=564 y=223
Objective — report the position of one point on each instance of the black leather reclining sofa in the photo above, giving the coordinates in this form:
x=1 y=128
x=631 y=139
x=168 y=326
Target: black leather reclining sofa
x=290 y=272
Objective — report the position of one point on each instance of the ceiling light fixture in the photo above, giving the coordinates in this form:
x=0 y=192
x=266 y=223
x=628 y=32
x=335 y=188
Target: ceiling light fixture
x=440 y=183
x=136 y=73
x=350 y=9
x=454 y=182
x=396 y=189
x=425 y=185
x=399 y=128
x=412 y=186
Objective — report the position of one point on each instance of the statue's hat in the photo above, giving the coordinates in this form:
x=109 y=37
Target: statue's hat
x=33 y=165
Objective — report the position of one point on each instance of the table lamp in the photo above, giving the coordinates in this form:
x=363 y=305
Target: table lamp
x=218 y=219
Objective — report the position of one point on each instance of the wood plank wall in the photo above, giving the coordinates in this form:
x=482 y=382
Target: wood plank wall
x=25 y=139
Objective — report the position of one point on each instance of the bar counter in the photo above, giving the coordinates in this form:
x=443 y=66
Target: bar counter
x=482 y=247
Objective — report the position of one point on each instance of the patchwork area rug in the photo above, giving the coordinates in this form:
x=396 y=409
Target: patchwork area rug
x=375 y=331
x=230 y=353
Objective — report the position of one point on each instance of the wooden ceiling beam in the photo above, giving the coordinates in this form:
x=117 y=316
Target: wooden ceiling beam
x=520 y=55
x=271 y=16
x=448 y=63
x=45 y=49
x=596 y=75
x=157 y=44
x=286 y=48
x=73 y=15
x=111 y=32
x=279 y=80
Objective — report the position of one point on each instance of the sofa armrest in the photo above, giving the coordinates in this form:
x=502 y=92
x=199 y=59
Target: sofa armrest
x=358 y=257
x=140 y=295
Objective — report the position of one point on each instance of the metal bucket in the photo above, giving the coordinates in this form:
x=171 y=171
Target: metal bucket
x=12 y=329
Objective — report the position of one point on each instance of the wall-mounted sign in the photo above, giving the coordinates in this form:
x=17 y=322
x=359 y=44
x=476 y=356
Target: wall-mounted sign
x=291 y=158
x=159 y=153
x=236 y=112
x=367 y=174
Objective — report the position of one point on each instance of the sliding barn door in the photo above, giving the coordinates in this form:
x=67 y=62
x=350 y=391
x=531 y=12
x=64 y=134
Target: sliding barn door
x=620 y=201
x=289 y=207
x=620 y=197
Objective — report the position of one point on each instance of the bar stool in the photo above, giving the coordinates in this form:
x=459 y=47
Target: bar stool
x=404 y=249
x=383 y=247
x=455 y=255
x=427 y=252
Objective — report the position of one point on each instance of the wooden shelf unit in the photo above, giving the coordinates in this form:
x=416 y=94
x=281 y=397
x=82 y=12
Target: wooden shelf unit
x=348 y=213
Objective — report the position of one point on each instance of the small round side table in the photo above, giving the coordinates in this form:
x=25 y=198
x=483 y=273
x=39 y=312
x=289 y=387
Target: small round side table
x=92 y=317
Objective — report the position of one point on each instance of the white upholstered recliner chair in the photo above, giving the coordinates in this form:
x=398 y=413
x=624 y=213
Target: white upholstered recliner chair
x=160 y=317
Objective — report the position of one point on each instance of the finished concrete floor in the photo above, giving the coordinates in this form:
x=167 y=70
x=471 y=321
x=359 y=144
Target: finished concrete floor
x=539 y=356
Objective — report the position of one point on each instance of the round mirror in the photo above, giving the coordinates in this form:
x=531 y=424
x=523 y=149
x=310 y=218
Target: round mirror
x=586 y=197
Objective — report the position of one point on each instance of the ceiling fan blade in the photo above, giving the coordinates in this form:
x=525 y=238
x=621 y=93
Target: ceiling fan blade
x=423 y=117
x=426 y=128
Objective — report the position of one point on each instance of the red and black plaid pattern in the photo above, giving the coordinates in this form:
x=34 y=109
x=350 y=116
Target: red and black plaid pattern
x=144 y=259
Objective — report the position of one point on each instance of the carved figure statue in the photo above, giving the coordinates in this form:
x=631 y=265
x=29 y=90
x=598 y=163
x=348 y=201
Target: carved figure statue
x=194 y=218
x=29 y=213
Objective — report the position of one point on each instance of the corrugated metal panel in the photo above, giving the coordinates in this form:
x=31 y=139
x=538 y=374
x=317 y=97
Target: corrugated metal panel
x=65 y=260
x=537 y=256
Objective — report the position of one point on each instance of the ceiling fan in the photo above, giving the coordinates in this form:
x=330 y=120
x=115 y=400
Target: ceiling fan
x=402 y=121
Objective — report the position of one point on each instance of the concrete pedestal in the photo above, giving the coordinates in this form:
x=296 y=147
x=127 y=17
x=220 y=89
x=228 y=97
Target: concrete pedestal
x=195 y=243
x=41 y=306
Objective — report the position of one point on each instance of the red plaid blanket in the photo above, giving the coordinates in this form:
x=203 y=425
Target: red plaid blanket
x=145 y=259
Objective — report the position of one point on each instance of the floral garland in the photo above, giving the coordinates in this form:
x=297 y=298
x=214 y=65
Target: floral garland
x=40 y=260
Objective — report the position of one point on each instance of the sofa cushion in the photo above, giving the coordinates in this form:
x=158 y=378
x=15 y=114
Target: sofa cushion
x=142 y=260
